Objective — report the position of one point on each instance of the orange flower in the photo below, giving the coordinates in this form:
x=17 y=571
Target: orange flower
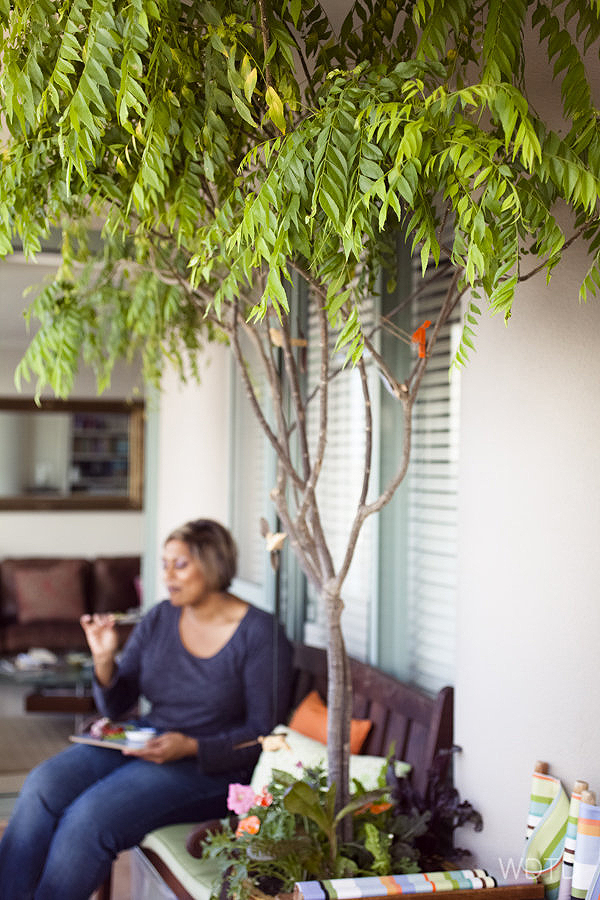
x=419 y=337
x=249 y=825
x=374 y=808
x=264 y=798
x=379 y=807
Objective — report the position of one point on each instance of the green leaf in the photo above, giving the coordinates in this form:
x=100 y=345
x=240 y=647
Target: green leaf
x=360 y=800
x=302 y=800
x=329 y=206
x=242 y=108
x=295 y=10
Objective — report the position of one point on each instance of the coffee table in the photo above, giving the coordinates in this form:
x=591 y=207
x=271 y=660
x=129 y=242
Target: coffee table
x=62 y=687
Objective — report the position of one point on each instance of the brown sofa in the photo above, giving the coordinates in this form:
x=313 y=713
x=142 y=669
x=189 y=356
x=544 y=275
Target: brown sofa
x=42 y=598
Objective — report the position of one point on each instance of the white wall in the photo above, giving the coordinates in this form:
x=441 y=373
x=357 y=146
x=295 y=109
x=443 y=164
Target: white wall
x=71 y=533
x=527 y=686
x=193 y=449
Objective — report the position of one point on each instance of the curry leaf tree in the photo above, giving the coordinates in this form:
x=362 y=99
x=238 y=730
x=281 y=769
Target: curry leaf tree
x=229 y=147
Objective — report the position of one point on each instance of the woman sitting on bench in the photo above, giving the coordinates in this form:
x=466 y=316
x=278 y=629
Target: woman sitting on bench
x=204 y=661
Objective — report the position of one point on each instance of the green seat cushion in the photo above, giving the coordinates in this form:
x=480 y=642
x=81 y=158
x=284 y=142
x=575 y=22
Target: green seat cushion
x=198 y=876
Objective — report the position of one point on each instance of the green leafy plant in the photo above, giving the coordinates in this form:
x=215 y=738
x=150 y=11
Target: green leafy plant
x=290 y=832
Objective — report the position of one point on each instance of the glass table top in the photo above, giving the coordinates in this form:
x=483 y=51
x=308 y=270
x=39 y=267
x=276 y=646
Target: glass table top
x=71 y=670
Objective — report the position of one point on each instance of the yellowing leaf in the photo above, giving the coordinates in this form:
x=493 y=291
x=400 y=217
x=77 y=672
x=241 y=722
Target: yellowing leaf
x=250 y=83
x=275 y=105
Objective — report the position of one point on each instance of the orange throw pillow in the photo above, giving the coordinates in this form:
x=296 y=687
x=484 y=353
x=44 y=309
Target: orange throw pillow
x=310 y=719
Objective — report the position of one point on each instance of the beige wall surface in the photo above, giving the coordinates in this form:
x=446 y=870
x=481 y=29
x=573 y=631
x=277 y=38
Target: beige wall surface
x=529 y=566
x=71 y=533
x=193 y=449
x=527 y=686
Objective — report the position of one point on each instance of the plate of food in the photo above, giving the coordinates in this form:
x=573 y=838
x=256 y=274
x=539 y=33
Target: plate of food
x=114 y=735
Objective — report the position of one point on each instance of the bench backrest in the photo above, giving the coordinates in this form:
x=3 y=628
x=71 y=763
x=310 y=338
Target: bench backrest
x=419 y=725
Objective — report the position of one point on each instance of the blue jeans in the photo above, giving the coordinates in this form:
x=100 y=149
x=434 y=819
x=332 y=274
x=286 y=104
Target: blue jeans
x=79 y=809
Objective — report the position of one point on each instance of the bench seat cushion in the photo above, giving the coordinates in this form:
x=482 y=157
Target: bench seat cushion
x=197 y=876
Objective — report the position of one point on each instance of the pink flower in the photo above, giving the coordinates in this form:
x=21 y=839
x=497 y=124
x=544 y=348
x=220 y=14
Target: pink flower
x=250 y=825
x=240 y=799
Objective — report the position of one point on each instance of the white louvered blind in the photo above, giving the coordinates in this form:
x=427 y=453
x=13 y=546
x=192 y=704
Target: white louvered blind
x=432 y=501
x=429 y=579
x=338 y=490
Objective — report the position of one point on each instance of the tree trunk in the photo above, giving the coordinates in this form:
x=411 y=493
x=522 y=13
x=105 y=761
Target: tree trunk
x=339 y=700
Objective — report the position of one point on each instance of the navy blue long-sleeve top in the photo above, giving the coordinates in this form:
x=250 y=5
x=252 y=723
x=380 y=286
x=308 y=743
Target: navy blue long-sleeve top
x=222 y=701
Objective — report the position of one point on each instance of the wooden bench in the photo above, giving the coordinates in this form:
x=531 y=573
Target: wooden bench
x=419 y=726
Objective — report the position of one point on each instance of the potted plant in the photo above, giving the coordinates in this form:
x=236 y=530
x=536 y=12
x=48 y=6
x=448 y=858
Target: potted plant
x=289 y=831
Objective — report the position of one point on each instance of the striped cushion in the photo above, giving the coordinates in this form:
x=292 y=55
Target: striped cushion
x=587 y=852
x=546 y=830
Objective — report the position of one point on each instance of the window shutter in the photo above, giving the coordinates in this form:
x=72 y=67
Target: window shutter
x=338 y=491
x=432 y=502
x=251 y=480
x=416 y=606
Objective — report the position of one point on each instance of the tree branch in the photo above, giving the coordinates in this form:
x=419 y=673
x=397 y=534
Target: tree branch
x=408 y=397
x=423 y=285
x=298 y=534
x=302 y=59
x=397 y=387
x=174 y=277
x=368 y=431
x=310 y=507
x=310 y=279
x=450 y=300
x=266 y=38
x=309 y=493
x=387 y=494
x=361 y=508
x=543 y=265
